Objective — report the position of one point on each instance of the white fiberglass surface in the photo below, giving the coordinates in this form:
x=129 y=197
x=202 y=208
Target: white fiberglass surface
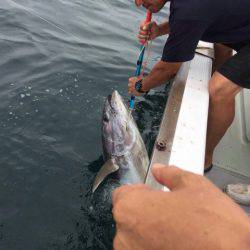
x=188 y=149
x=233 y=152
x=246 y=107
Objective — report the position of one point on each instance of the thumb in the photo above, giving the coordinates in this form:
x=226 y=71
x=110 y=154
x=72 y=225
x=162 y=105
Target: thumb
x=147 y=26
x=170 y=176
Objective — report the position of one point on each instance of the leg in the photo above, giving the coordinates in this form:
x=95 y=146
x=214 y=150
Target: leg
x=222 y=93
x=221 y=54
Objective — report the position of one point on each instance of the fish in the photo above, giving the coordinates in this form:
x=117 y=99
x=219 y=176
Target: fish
x=124 y=151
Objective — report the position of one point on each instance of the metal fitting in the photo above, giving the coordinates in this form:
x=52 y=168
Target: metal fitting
x=161 y=145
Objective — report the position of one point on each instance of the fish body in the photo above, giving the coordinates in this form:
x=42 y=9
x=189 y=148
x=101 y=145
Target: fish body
x=124 y=151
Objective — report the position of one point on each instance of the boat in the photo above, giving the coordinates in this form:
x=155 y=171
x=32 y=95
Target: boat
x=181 y=140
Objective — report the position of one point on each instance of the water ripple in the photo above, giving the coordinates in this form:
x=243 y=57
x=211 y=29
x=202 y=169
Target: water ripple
x=59 y=61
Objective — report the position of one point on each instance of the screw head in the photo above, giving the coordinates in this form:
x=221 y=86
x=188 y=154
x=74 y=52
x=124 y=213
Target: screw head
x=161 y=145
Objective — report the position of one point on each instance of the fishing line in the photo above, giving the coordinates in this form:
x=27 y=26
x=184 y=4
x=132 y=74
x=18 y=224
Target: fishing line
x=148 y=47
x=148 y=55
x=141 y=51
x=34 y=13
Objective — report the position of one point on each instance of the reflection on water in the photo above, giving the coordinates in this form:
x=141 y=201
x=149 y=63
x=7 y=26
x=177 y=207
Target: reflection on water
x=95 y=227
x=52 y=88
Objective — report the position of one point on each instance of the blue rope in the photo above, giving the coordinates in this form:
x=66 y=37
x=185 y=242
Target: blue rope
x=137 y=73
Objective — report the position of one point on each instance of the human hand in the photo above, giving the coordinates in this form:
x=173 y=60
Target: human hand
x=195 y=215
x=131 y=85
x=152 y=5
x=148 y=31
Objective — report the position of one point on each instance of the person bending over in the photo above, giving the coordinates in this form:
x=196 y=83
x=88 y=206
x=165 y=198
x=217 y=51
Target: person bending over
x=224 y=22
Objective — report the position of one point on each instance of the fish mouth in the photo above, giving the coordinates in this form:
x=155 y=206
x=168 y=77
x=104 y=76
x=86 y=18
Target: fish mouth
x=109 y=100
x=115 y=104
x=110 y=103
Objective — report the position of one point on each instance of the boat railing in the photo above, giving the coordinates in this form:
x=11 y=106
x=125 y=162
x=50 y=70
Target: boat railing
x=181 y=140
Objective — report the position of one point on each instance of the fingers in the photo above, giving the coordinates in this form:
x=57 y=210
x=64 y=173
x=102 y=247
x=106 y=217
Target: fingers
x=131 y=85
x=119 y=243
x=144 y=32
x=145 y=27
x=143 y=38
x=120 y=192
x=170 y=176
x=131 y=89
x=126 y=201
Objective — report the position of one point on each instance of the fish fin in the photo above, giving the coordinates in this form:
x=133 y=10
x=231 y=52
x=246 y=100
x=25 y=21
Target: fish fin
x=108 y=168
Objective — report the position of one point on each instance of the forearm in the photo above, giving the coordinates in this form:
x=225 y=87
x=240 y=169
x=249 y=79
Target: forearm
x=163 y=28
x=160 y=73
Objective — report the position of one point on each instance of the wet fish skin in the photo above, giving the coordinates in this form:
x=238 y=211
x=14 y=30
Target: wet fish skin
x=122 y=144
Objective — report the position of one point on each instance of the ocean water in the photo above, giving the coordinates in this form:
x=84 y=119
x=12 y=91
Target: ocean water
x=59 y=59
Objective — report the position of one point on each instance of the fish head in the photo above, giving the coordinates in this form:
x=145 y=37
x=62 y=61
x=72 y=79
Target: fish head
x=116 y=132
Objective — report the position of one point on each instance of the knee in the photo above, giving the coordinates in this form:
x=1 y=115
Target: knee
x=222 y=89
x=216 y=92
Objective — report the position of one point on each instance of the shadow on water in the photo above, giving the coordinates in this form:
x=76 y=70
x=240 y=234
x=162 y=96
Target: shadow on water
x=148 y=115
x=55 y=73
x=95 y=228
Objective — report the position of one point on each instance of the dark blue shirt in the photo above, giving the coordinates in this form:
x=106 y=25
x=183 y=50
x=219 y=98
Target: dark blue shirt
x=220 y=21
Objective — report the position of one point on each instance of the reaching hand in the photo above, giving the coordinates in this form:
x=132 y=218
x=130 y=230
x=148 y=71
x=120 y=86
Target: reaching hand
x=148 y=31
x=131 y=85
x=195 y=215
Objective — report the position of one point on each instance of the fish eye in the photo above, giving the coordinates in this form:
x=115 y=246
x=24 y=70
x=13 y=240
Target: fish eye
x=105 y=119
x=113 y=112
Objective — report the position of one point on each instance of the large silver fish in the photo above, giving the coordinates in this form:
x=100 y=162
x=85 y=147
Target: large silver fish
x=123 y=148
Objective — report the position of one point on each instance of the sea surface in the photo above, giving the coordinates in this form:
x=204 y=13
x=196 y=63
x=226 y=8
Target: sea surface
x=59 y=59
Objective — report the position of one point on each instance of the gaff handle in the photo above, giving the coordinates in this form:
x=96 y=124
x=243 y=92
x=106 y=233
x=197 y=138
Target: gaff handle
x=149 y=16
x=143 y=48
x=148 y=19
x=140 y=61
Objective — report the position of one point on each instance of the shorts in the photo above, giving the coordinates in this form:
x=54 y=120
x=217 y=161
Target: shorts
x=237 y=68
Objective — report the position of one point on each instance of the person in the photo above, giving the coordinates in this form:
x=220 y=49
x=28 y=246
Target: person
x=225 y=23
x=194 y=215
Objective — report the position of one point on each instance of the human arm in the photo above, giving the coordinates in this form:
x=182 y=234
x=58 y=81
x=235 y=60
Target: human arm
x=180 y=47
x=161 y=72
x=195 y=215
